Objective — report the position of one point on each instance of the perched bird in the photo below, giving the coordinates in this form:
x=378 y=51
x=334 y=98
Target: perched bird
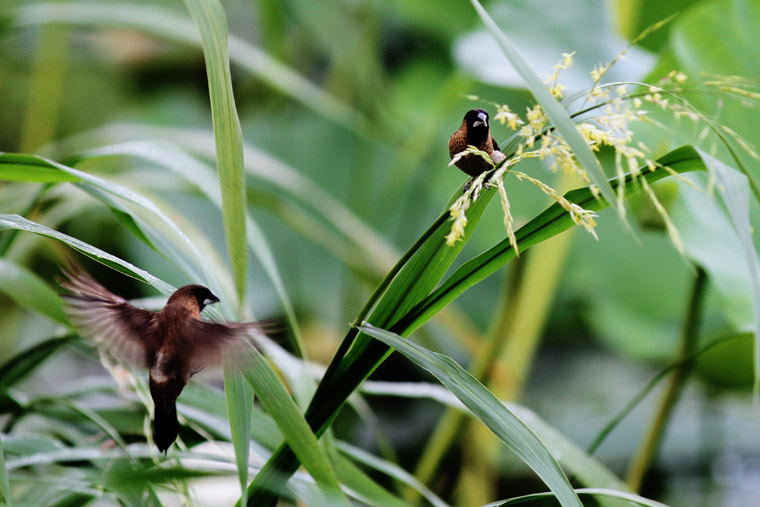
x=474 y=131
x=174 y=344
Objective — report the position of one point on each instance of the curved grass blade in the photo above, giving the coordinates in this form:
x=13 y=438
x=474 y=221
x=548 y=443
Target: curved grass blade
x=483 y=405
x=29 y=291
x=131 y=223
x=602 y=492
x=166 y=25
x=16 y=167
x=92 y=416
x=22 y=224
x=212 y=24
x=123 y=193
x=572 y=458
x=554 y=110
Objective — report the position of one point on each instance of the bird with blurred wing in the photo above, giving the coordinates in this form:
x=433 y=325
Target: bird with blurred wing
x=173 y=344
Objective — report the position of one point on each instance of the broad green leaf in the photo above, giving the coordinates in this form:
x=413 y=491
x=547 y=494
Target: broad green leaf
x=165 y=24
x=27 y=361
x=594 y=492
x=483 y=405
x=281 y=407
x=22 y=224
x=29 y=291
x=212 y=24
x=556 y=113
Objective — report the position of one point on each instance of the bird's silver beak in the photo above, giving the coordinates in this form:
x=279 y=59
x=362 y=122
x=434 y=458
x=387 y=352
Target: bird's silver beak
x=482 y=120
x=209 y=301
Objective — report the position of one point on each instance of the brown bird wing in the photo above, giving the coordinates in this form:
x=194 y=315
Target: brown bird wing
x=495 y=144
x=203 y=341
x=124 y=329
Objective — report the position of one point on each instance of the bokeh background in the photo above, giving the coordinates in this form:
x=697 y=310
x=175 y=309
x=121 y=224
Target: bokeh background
x=357 y=99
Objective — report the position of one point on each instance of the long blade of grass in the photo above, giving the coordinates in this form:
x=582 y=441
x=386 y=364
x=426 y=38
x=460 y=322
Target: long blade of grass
x=554 y=110
x=299 y=436
x=16 y=222
x=212 y=24
x=364 y=488
x=239 y=397
x=594 y=492
x=130 y=196
x=578 y=463
x=483 y=405
x=165 y=24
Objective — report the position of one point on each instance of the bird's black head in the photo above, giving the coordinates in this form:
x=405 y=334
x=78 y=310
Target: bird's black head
x=477 y=125
x=202 y=295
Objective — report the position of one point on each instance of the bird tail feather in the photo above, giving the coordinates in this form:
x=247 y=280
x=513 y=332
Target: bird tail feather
x=165 y=426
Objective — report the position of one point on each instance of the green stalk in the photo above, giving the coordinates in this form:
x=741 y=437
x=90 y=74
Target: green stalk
x=650 y=444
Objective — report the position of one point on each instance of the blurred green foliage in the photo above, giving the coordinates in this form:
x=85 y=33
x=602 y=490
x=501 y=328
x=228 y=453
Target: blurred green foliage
x=345 y=109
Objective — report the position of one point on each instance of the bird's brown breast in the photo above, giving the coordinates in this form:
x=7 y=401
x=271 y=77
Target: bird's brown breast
x=473 y=165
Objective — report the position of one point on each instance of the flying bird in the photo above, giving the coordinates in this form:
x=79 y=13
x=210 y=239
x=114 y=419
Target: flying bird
x=474 y=131
x=174 y=343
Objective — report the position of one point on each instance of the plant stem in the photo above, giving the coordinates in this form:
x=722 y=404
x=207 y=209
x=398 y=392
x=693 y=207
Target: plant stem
x=650 y=444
